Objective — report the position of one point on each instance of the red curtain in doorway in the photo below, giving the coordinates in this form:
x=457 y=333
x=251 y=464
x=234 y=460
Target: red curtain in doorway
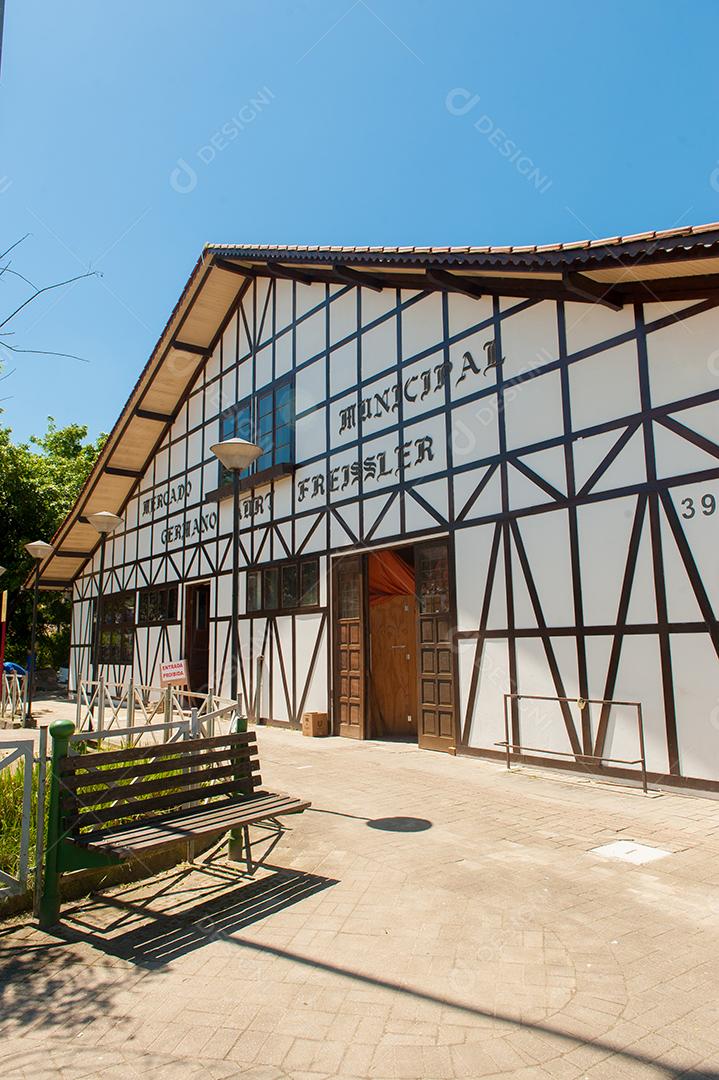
x=389 y=575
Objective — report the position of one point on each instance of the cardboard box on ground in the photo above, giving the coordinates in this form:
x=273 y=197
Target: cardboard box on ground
x=315 y=724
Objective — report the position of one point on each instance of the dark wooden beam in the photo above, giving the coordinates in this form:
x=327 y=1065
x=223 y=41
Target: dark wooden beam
x=690 y=287
x=71 y=554
x=186 y=346
x=289 y=272
x=234 y=268
x=356 y=277
x=268 y=269
x=115 y=470
x=147 y=414
x=588 y=289
x=443 y=280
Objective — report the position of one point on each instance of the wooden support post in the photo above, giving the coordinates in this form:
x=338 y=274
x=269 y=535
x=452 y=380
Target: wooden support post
x=60 y=732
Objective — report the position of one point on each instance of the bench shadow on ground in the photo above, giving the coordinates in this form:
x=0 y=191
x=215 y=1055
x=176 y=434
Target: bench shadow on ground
x=145 y=934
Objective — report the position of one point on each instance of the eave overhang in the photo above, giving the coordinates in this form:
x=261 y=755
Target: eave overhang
x=679 y=264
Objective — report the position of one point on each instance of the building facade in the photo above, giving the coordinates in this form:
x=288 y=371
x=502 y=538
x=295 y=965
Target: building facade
x=484 y=472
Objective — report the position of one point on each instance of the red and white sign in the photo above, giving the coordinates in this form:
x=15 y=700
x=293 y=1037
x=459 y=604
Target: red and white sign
x=174 y=673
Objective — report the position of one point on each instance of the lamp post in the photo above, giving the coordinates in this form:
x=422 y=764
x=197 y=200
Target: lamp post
x=235 y=455
x=38 y=550
x=103 y=522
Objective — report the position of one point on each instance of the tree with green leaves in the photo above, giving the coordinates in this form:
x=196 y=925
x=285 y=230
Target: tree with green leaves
x=39 y=482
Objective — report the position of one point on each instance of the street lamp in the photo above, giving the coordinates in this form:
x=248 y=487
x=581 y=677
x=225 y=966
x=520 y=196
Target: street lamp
x=235 y=455
x=38 y=550
x=103 y=522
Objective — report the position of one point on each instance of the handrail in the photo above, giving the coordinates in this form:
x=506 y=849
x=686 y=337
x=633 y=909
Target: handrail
x=511 y=746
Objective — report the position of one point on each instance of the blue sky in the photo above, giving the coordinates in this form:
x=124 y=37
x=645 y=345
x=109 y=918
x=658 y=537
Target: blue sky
x=374 y=122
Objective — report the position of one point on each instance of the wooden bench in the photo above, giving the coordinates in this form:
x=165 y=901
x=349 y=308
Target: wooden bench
x=112 y=805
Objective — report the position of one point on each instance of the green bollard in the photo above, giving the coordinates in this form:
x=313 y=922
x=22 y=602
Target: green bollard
x=60 y=732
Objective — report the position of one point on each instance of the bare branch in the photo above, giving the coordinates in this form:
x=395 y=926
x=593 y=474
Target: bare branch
x=44 y=352
x=15 y=273
x=47 y=288
x=7 y=252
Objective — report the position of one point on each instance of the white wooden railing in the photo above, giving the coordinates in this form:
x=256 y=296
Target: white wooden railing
x=11 y=754
x=12 y=698
x=103 y=705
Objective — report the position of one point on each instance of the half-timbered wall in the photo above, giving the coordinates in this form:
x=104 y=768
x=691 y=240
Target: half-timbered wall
x=574 y=467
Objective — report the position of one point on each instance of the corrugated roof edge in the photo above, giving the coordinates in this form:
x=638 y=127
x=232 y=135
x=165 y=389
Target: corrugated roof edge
x=609 y=248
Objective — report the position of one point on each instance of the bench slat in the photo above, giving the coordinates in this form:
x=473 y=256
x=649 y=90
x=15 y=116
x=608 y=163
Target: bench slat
x=194 y=823
x=201 y=816
x=139 y=753
x=202 y=776
x=241 y=755
x=126 y=808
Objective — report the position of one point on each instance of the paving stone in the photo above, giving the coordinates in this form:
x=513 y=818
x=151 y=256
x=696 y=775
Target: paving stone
x=492 y=944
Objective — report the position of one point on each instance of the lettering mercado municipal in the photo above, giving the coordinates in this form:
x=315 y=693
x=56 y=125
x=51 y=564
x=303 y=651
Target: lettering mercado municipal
x=416 y=388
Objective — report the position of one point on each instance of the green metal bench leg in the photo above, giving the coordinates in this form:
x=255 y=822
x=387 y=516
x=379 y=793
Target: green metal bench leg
x=60 y=732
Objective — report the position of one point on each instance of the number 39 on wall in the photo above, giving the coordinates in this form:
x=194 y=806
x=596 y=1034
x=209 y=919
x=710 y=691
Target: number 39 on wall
x=703 y=504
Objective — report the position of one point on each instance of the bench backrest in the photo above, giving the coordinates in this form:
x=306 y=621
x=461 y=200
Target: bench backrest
x=110 y=787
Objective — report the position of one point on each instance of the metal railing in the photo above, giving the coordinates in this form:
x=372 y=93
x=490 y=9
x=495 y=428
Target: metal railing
x=12 y=696
x=580 y=758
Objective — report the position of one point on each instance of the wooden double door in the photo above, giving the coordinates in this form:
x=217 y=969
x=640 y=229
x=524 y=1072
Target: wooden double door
x=386 y=686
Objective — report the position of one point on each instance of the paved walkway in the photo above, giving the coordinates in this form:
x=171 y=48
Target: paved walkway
x=488 y=942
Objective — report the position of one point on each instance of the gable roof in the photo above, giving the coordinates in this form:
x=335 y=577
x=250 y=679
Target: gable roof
x=676 y=264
